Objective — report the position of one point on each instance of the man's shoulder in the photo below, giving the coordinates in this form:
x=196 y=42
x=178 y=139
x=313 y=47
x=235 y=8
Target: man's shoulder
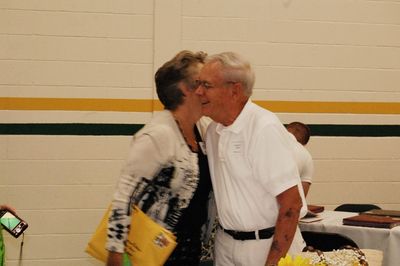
x=302 y=155
x=262 y=117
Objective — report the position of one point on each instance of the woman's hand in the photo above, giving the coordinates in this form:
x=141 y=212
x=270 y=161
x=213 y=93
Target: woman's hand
x=114 y=259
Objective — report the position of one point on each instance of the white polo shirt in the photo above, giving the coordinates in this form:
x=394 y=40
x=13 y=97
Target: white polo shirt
x=303 y=159
x=250 y=163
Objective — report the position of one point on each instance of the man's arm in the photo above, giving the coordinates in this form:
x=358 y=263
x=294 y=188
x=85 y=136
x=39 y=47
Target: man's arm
x=289 y=210
x=306 y=187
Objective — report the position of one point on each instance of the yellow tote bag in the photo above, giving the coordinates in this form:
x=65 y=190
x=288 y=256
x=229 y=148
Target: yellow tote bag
x=148 y=243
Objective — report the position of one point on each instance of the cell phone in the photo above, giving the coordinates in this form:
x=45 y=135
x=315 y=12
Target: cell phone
x=12 y=223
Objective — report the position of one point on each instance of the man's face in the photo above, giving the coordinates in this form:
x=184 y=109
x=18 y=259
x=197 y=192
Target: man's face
x=214 y=93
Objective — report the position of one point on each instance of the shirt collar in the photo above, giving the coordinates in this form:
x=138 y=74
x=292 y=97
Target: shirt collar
x=239 y=122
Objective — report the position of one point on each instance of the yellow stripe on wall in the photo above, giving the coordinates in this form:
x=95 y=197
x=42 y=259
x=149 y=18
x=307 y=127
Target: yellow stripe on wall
x=80 y=104
x=331 y=107
x=149 y=105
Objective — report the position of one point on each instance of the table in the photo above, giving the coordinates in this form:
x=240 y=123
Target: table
x=386 y=240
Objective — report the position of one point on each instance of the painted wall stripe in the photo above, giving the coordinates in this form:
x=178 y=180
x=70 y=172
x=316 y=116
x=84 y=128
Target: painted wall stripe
x=149 y=105
x=355 y=130
x=130 y=129
x=331 y=107
x=80 y=104
x=70 y=129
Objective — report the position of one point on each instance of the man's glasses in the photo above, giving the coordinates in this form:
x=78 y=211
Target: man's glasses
x=207 y=85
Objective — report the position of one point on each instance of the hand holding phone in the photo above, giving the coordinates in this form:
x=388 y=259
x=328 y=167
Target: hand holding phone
x=12 y=223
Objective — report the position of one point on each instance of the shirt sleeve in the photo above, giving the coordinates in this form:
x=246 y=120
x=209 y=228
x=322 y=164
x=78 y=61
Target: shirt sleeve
x=308 y=168
x=274 y=163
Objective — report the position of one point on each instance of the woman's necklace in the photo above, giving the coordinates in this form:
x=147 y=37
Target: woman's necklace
x=193 y=143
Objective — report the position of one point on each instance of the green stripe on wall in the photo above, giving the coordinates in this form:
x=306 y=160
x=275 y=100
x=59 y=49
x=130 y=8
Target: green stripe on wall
x=356 y=130
x=130 y=129
x=70 y=129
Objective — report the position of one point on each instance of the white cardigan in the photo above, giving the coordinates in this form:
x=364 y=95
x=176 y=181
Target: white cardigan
x=160 y=175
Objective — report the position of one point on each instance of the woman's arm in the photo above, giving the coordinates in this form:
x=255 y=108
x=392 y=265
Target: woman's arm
x=114 y=259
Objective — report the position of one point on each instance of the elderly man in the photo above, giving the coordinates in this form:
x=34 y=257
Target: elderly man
x=255 y=178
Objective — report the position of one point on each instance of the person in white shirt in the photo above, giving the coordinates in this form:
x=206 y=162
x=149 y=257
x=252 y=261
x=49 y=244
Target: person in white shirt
x=301 y=133
x=255 y=178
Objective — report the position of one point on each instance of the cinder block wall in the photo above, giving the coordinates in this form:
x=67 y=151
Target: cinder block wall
x=76 y=80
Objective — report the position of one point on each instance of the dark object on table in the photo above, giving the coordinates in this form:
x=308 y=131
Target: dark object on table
x=372 y=221
x=327 y=241
x=391 y=213
x=315 y=208
x=356 y=207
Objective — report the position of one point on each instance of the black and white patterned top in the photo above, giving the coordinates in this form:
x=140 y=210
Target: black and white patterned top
x=160 y=175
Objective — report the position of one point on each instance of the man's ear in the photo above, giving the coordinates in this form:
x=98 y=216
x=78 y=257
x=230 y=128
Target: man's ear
x=237 y=90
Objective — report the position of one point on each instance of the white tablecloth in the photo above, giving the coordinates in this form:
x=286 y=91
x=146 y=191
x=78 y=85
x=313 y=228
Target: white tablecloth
x=387 y=240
